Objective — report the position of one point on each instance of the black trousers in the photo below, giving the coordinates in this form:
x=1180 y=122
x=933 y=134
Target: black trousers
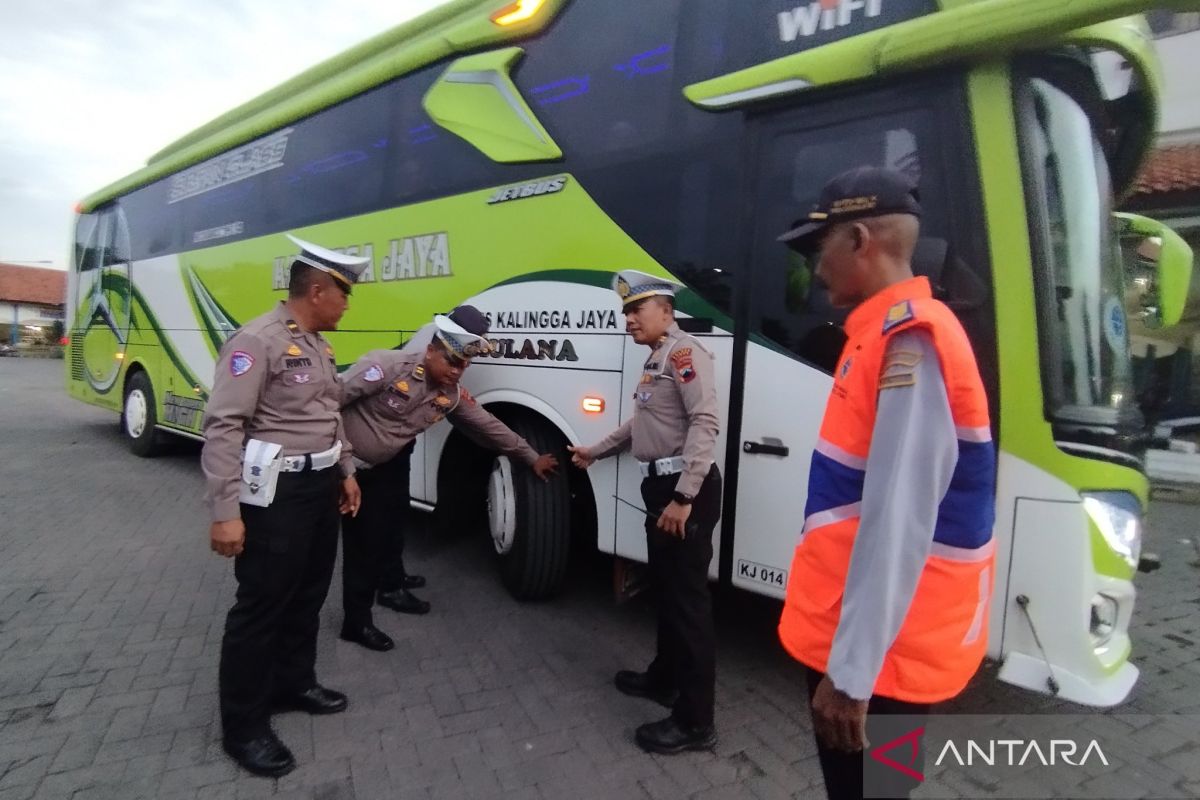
x=270 y=643
x=685 y=657
x=373 y=542
x=843 y=772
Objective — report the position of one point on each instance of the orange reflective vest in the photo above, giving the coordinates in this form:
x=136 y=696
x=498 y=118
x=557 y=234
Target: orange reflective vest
x=944 y=636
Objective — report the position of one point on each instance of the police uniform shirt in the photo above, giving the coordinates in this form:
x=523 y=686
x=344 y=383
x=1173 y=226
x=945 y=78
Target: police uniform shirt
x=388 y=398
x=275 y=382
x=914 y=434
x=675 y=410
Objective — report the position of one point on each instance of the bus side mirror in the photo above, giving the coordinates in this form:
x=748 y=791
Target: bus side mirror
x=1158 y=270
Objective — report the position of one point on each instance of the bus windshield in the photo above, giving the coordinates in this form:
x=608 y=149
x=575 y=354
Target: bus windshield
x=1086 y=365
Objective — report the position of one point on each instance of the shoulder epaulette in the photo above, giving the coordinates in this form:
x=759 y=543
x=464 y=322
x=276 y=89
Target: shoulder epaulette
x=897 y=315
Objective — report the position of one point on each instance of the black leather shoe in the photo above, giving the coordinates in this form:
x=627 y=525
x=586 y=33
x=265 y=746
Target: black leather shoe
x=668 y=737
x=317 y=700
x=266 y=755
x=404 y=601
x=368 y=636
x=406 y=582
x=638 y=684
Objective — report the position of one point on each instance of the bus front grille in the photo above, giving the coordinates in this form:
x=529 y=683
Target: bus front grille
x=76 y=360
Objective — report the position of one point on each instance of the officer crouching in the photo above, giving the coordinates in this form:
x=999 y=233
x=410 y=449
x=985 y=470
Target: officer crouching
x=673 y=434
x=279 y=471
x=389 y=398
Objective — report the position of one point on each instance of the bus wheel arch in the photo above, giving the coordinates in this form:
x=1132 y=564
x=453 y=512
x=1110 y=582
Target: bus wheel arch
x=139 y=413
x=529 y=522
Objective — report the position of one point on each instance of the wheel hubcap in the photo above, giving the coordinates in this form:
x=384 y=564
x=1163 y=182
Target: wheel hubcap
x=135 y=413
x=502 y=506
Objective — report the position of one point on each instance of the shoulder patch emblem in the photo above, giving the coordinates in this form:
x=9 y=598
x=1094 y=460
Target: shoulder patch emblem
x=293 y=350
x=240 y=363
x=465 y=396
x=681 y=359
x=900 y=313
x=845 y=367
x=374 y=374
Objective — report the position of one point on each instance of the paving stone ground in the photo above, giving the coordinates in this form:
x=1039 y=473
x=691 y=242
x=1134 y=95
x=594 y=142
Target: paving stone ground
x=112 y=606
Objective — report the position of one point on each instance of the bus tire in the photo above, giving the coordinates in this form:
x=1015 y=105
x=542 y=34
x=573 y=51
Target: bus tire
x=530 y=520
x=139 y=417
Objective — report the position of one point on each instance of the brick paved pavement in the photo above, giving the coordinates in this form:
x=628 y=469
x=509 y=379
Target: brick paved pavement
x=111 y=609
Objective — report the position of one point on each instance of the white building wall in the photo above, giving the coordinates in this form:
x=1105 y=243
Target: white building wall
x=24 y=315
x=1180 y=55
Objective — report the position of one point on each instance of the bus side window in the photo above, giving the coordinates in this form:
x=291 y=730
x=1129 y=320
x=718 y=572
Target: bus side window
x=953 y=281
x=791 y=307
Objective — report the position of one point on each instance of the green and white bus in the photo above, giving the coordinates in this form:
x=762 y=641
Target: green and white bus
x=513 y=154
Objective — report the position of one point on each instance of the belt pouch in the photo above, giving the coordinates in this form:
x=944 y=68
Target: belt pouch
x=260 y=473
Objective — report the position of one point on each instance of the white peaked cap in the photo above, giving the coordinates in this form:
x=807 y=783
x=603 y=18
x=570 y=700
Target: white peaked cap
x=632 y=286
x=346 y=269
x=458 y=340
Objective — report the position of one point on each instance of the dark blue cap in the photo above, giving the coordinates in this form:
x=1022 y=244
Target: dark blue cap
x=856 y=194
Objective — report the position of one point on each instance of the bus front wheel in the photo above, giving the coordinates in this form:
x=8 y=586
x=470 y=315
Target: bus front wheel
x=138 y=416
x=529 y=520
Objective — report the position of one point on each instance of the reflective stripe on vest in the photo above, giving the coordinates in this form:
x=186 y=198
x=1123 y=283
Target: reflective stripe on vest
x=943 y=638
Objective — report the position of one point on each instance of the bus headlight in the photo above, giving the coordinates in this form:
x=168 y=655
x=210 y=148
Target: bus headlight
x=1104 y=619
x=1118 y=516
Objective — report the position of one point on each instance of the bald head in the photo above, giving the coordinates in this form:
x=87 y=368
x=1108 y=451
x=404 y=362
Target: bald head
x=895 y=235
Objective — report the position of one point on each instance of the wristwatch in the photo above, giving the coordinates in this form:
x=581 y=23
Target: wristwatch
x=682 y=499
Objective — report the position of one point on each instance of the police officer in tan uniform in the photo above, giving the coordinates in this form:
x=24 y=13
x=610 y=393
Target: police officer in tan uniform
x=279 y=469
x=673 y=434
x=391 y=396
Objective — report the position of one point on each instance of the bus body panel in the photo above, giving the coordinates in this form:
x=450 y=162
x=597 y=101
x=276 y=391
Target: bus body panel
x=167 y=271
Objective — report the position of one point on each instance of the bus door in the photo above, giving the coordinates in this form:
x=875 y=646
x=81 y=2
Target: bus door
x=792 y=335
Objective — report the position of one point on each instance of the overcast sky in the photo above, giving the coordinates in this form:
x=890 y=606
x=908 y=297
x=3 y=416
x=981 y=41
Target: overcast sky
x=89 y=90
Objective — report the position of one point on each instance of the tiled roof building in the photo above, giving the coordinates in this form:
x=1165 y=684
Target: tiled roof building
x=32 y=285
x=1170 y=179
